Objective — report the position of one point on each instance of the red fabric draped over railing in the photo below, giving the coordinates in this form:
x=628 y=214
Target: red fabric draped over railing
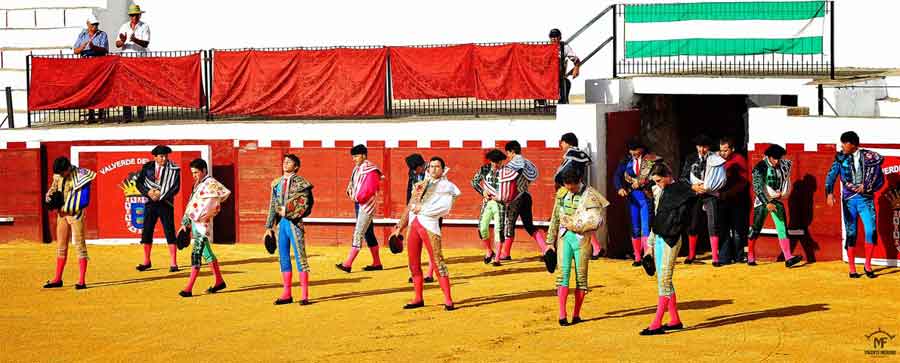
x=299 y=83
x=110 y=81
x=502 y=72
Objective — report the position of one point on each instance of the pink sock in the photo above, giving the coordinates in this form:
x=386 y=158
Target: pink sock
x=751 y=250
x=636 y=247
x=418 y=287
x=147 y=248
x=692 y=247
x=214 y=266
x=579 y=300
x=507 y=247
x=541 y=238
x=60 y=267
x=487 y=246
x=785 y=248
x=445 y=287
x=173 y=252
x=82 y=270
x=674 y=319
x=644 y=244
x=304 y=285
x=195 y=271
x=376 y=258
x=851 y=259
x=351 y=257
x=660 y=311
x=870 y=249
x=595 y=244
x=286 y=278
x=714 y=243
x=562 y=293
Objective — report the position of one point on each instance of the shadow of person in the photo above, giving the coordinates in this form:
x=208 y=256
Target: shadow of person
x=376 y=292
x=249 y=261
x=185 y=273
x=295 y=284
x=507 y=297
x=801 y=212
x=504 y=271
x=781 y=312
x=684 y=305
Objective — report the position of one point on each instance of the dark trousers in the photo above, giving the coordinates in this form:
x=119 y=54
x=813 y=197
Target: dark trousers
x=163 y=211
x=520 y=207
x=734 y=229
x=707 y=206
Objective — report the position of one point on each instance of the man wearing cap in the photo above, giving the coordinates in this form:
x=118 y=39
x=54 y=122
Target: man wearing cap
x=134 y=36
x=364 y=184
x=290 y=201
x=568 y=56
x=705 y=172
x=159 y=181
x=92 y=42
x=771 y=185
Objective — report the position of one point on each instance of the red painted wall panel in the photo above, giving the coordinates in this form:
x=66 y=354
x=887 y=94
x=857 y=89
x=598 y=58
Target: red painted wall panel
x=20 y=188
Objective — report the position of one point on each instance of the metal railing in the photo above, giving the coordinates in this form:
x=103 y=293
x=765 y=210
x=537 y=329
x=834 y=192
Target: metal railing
x=127 y=113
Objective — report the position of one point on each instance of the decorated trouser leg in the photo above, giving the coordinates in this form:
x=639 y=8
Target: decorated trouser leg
x=864 y=209
x=490 y=213
x=363 y=223
x=418 y=236
x=639 y=206
x=665 y=268
x=291 y=237
x=202 y=251
x=778 y=218
x=70 y=228
x=574 y=249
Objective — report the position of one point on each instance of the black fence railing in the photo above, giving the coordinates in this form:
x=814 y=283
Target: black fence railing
x=393 y=108
x=127 y=113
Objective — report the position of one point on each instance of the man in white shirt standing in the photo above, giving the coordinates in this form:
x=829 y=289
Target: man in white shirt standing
x=134 y=36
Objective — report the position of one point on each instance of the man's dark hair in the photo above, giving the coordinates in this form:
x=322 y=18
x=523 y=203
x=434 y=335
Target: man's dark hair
x=555 y=33
x=661 y=170
x=571 y=176
x=293 y=158
x=727 y=140
x=569 y=138
x=635 y=144
x=359 y=150
x=414 y=161
x=495 y=155
x=199 y=164
x=438 y=158
x=850 y=137
x=513 y=146
x=61 y=164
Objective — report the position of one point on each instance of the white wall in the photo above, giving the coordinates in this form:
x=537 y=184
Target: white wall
x=773 y=125
x=202 y=24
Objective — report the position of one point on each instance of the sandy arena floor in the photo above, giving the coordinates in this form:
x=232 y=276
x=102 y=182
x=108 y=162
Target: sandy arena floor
x=508 y=313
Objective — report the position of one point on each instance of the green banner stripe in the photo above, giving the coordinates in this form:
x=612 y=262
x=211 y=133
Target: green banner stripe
x=780 y=10
x=722 y=47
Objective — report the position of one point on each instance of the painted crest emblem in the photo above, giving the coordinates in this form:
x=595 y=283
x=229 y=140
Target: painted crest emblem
x=134 y=204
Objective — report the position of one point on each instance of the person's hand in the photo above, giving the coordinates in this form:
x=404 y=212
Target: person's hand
x=777 y=195
x=122 y=37
x=280 y=211
x=698 y=188
x=132 y=38
x=830 y=200
x=622 y=192
x=181 y=229
x=575 y=72
x=771 y=207
x=417 y=209
x=269 y=232
x=635 y=184
x=858 y=188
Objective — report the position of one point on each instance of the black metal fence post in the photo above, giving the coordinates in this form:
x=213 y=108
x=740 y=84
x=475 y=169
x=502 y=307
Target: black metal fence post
x=615 y=40
x=562 y=74
x=28 y=88
x=9 y=108
x=207 y=81
x=821 y=100
x=831 y=17
x=388 y=94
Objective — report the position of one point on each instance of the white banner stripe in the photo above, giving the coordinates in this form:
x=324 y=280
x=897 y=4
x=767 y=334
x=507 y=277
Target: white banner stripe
x=724 y=29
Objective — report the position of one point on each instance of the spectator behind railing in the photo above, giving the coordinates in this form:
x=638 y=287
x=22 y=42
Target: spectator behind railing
x=568 y=54
x=92 y=42
x=134 y=36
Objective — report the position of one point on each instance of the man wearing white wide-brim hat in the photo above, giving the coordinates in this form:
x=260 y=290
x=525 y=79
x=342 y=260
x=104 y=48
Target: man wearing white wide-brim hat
x=134 y=36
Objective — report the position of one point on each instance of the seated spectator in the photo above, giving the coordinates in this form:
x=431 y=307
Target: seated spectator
x=92 y=42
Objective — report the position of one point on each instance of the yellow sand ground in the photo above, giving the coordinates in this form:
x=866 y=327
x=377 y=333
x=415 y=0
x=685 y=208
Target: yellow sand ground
x=733 y=313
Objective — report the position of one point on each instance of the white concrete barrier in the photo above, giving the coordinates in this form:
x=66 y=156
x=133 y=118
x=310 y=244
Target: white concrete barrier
x=39 y=38
x=12 y=78
x=31 y=4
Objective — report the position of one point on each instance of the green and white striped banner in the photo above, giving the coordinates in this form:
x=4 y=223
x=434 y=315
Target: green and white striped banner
x=724 y=28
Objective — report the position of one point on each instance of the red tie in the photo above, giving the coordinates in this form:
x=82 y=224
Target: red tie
x=158 y=169
x=637 y=167
x=284 y=190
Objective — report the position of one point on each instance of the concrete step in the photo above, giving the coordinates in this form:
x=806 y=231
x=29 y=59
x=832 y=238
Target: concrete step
x=39 y=38
x=12 y=78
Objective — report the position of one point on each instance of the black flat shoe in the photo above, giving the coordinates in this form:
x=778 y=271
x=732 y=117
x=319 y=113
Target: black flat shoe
x=576 y=320
x=793 y=261
x=289 y=300
x=656 y=331
x=217 y=288
x=373 y=268
x=414 y=305
x=871 y=274
x=428 y=280
x=173 y=269
x=409 y=280
x=751 y=263
x=341 y=267
x=563 y=322
x=497 y=264
x=678 y=326
x=185 y=293
x=507 y=258
x=305 y=302
x=449 y=307
x=636 y=264
x=854 y=275
x=143 y=267
x=688 y=261
x=717 y=264
x=80 y=286
x=595 y=257
x=51 y=285
x=488 y=259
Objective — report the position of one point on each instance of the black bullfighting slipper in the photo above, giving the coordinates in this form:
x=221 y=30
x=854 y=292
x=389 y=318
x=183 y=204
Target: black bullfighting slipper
x=678 y=326
x=793 y=261
x=80 y=286
x=185 y=293
x=217 y=288
x=373 y=268
x=414 y=305
x=305 y=302
x=51 y=285
x=656 y=331
x=143 y=267
x=341 y=267
x=289 y=300
x=871 y=274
